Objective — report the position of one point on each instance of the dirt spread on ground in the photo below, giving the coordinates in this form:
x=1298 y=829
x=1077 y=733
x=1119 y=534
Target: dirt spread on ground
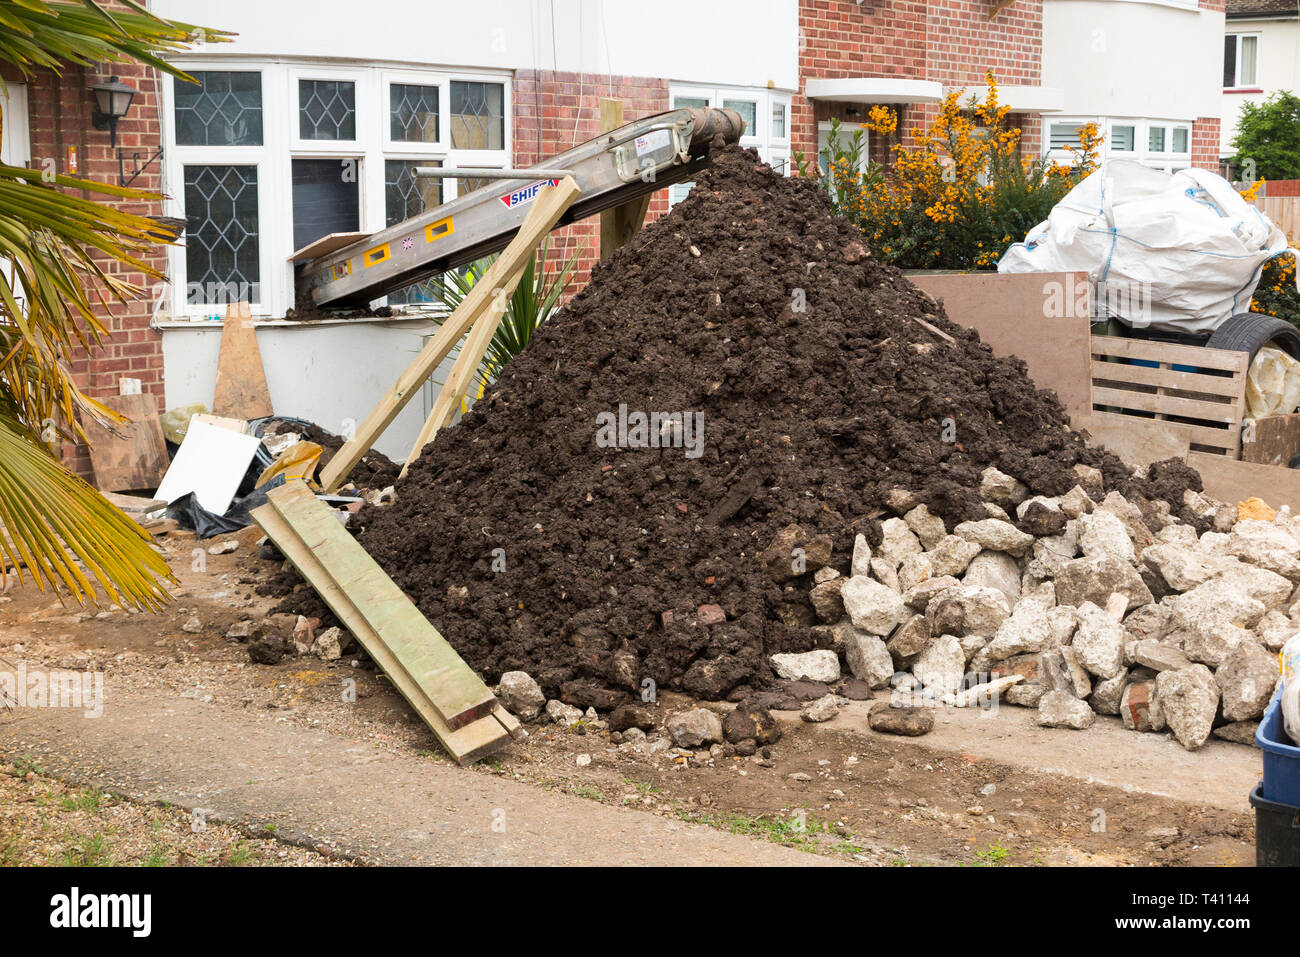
x=546 y=533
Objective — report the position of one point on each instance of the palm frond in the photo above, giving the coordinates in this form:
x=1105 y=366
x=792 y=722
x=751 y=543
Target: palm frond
x=65 y=534
x=35 y=34
x=535 y=298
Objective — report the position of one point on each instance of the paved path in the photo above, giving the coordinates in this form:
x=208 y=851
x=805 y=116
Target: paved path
x=321 y=789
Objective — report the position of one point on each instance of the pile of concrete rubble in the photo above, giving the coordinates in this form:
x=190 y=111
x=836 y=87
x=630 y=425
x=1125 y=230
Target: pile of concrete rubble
x=1107 y=610
x=1077 y=605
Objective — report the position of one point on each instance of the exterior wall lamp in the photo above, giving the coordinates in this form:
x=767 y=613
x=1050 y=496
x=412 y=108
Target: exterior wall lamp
x=112 y=101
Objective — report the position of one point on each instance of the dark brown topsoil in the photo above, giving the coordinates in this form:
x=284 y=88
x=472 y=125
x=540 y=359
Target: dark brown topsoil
x=810 y=417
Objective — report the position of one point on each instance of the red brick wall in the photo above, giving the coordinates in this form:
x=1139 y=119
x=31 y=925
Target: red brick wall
x=555 y=111
x=1205 y=143
x=952 y=42
x=60 y=109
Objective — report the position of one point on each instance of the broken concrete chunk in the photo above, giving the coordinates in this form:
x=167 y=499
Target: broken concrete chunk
x=690 y=729
x=1106 y=695
x=1065 y=673
x=1099 y=642
x=861 y=563
x=868 y=659
x=967 y=610
x=952 y=555
x=1001 y=489
x=898 y=541
x=561 y=713
x=521 y=695
x=909 y=640
x=822 y=665
x=1156 y=655
x=826 y=601
x=1102 y=533
x=913 y=570
x=1188 y=700
x=919 y=595
x=884 y=571
x=996 y=535
x=1027 y=631
x=1179 y=567
x=927 y=527
x=823 y=709
x=1246 y=682
x=1095 y=578
x=994 y=570
x=1058 y=709
x=873 y=607
x=941 y=666
x=1239 y=732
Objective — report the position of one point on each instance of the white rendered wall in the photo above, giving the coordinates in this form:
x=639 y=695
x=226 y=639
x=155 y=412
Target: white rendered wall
x=731 y=42
x=328 y=373
x=1124 y=58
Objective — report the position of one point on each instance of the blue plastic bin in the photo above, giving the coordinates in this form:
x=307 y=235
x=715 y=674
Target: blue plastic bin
x=1281 y=783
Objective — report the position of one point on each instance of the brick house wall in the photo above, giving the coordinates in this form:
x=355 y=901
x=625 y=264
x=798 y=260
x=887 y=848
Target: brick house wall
x=554 y=112
x=59 y=116
x=952 y=42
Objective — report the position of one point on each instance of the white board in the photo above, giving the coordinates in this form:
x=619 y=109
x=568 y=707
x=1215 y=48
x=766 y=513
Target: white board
x=211 y=462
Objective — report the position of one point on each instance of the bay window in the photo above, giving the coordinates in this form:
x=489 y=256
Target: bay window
x=267 y=158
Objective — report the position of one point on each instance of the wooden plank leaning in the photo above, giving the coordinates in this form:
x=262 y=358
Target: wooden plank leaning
x=551 y=204
x=441 y=688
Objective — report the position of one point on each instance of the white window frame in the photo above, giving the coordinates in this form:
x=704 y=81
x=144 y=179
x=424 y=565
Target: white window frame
x=281 y=145
x=1259 y=49
x=361 y=81
x=864 y=161
x=1166 y=159
x=773 y=150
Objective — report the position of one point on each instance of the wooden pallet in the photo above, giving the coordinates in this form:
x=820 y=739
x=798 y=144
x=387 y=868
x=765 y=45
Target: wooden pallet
x=444 y=691
x=1201 y=403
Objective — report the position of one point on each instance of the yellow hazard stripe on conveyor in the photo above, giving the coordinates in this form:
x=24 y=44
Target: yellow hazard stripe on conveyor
x=443 y=227
x=375 y=256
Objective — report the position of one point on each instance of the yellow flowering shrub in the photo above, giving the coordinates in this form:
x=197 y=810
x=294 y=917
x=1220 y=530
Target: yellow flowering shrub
x=961 y=195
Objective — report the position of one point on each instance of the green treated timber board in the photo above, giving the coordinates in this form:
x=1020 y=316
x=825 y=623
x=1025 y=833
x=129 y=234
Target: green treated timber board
x=466 y=744
x=458 y=694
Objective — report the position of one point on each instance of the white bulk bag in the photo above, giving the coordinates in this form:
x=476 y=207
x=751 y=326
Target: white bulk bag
x=1179 y=253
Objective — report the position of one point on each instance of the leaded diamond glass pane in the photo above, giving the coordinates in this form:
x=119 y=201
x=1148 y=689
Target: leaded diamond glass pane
x=221 y=234
x=478 y=116
x=327 y=110
x=413 y=113
x=224 y=108
x=406 y=196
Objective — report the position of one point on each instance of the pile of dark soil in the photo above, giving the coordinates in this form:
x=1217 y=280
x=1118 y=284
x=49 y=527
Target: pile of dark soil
x=532 y=546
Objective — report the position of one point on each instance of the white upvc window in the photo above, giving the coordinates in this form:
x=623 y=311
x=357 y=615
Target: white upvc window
x=1160 y=144
x=767 y=122
x=846 y=134
x=263 y=157
x=1241 y=61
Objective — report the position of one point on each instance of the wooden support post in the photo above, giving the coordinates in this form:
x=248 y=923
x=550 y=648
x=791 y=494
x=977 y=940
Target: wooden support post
x=621 y=223
x=462 y=373
x=549 y=207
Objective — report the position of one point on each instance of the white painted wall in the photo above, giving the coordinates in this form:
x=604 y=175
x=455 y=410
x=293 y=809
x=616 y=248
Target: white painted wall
x=1129 y=58
x=733 y=42
x=1279 y=69
x=327 y=373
